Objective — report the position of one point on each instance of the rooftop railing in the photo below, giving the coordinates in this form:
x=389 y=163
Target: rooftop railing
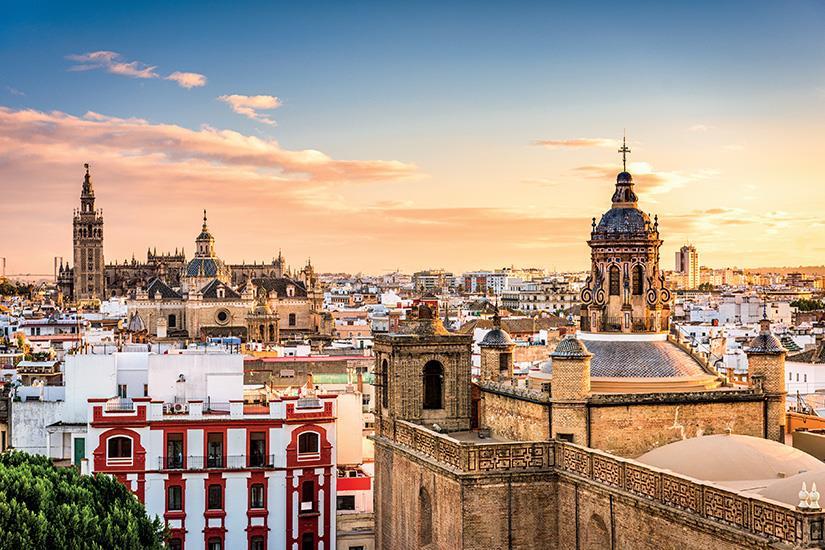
x=231 y=462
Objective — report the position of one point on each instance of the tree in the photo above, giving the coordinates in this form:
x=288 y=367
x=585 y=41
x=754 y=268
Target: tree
x=42 y=506
x=805 y=304
x=706 y=287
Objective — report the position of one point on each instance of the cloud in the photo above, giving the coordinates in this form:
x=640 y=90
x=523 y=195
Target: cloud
x=699 y=128
x=576 y=143
x=113 y=62
x=188 y=80
x=14 y=91
x=249 y=105
x=647 y=179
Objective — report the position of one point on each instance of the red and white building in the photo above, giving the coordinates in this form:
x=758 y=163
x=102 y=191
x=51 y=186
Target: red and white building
x=222 y=475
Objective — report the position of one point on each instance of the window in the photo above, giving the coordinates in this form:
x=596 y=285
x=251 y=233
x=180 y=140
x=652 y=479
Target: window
x=174 y=451
x=121 y=391
x=257 y=543
x=308 y=496
x=345 y=502
x=119 y=450
x=385 y=381
x=256 y=496
x=425 y=515
x=214 y=544
x=804 y=377
x=309 y=444
x=172 y=321
x=638 y=280
x=433 y=380
x=292 y=319
x=359 y=547
x=257 y=449
x=214 y=499
x=614 y=280
x=504 y=363
x=797 y=377
x=175 y=544
x=790 y=377
x=222 y=316
x=565 y=437
x=307 y=541
x=146 y=390
x=214 y=450
x=174 y=498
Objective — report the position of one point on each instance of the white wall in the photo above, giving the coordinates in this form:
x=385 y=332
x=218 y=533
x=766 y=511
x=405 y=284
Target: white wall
x=218 y=376
x=29 y=421
x=350 y=428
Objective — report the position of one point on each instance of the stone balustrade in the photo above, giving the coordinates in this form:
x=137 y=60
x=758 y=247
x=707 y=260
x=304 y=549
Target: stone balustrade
x=761 y=517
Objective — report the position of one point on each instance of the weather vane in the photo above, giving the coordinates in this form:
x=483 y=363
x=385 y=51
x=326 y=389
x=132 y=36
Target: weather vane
x=624 y=151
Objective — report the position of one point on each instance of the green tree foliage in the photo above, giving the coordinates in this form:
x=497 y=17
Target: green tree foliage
x=706 y=287
x=42 y=506
x=807 y=305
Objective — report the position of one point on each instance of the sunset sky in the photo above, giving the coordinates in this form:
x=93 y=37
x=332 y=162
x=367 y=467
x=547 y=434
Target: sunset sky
x=371 y=136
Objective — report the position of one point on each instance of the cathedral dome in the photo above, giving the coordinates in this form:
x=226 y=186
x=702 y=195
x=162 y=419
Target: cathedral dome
x=623 y=221
x=624 y=177
x=204 y=267
x=731 y=458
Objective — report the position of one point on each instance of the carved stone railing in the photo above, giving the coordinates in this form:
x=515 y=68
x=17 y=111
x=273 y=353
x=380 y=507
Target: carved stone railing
x=471 y=457
x=760 y=517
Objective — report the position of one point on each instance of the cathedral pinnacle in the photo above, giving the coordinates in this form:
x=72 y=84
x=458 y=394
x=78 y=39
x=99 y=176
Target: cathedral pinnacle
x=624 y=150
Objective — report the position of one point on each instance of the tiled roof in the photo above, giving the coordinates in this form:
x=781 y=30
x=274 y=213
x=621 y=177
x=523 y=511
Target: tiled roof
x=166 y=292
x=789 y=344
x=210 y=291
x=815 y=355
x=280 y=284
x=520 y=325
x=623 y=220
x=618 y=359
x=202 y=267
x=570 y=347
x=497 y=338
x=765 y=343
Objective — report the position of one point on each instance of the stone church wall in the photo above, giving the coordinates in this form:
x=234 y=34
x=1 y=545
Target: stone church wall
x=515 y=419
x=634 y=429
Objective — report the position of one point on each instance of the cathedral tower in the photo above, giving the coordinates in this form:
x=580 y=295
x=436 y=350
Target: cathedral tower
x=88 y=246
x=625 y=291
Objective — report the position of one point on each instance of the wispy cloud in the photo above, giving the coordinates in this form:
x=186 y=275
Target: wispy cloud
x=649 y=180
x=576 y=143
x=14 y=91
x=700 y=128
x=114 y=63
x=250 y=105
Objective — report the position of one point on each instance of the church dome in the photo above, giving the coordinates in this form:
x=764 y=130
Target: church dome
x=496 y=338
x=623 y=221
x=570 y=347
x=204 y=267
x=726 y=458
x=624 y=177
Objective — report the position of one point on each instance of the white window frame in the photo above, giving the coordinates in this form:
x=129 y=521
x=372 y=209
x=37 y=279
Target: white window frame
x=120 y=461
x=308 y=456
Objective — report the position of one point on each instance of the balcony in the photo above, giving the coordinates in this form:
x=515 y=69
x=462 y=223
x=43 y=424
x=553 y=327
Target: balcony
x=232 y=462
x=119 y=404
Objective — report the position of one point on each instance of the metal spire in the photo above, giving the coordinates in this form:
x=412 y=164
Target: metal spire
x=624 y=150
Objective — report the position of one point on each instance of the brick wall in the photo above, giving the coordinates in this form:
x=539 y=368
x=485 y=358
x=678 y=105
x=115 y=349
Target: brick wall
x=515 y=419
x=633 y=430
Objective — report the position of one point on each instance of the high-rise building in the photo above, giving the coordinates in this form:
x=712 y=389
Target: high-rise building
x=687 y=264
x=88 y=246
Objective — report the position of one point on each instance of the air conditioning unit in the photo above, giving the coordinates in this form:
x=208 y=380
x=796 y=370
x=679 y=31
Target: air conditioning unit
x=179 y=407
x=168 y=408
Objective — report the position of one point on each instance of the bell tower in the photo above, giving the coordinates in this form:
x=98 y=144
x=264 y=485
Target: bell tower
x=89 y=283
x=423 y=374
x=625 y=290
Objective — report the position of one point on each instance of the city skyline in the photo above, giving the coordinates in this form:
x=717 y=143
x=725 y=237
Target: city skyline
x=370 y=137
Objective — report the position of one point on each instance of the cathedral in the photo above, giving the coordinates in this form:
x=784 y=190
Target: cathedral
x=169 y=297
x=625 y=439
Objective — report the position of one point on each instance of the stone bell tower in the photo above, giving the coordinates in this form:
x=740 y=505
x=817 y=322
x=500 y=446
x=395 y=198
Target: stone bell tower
x=766 y=367
x=423 y=374
x=625 y=291
x=497 y=353
x=89 y=283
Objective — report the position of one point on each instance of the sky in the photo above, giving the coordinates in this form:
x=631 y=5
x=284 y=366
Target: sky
x=370 y=136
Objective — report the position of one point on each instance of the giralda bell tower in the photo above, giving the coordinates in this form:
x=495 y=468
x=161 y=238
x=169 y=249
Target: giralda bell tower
x=89 y=283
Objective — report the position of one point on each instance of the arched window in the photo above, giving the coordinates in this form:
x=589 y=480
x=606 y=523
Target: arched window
x=433 y=383
x=309 y=445
x=385 y=381
x=425 y=518
x=614 y=280
x=119 y=450
x=638 y=280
